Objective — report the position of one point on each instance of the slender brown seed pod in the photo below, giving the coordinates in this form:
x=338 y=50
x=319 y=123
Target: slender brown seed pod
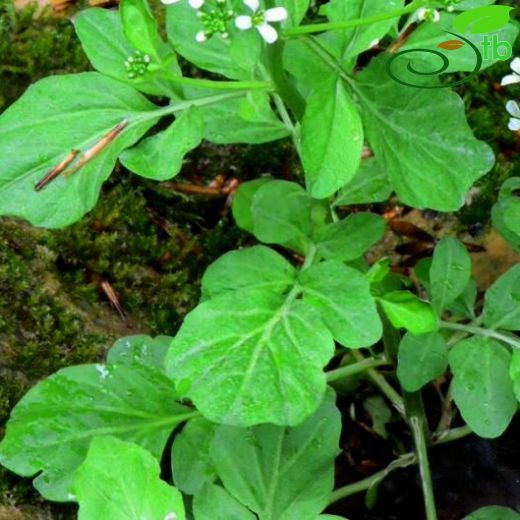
x=98 y=147
x=56 y=170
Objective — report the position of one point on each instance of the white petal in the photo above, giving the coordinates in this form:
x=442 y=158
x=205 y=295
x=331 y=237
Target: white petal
x=201 y=37
x=513 y=108
x=436 y=16
x=421 y=13
x=196 y=4
x=510 y=79
x=276 y=14
x=168 y=2
x=268 y=33
x=244 y=22
x=514 y=124
x=254 y=5
x=515 y=65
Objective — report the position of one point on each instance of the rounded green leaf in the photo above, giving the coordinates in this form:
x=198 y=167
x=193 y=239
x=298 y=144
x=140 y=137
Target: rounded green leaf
x=450 y=272
x=281 y=473
x=405 y=310
x=121 y=481
x=216 y=503
x=101 y=34
x=331 y=139
x=51 y=428
x=502 y=302
x=161 y=156
x=282 y=215
x=482 y=387
x=140 y=27
x=192 y=467
x=243 y=201
x=140 y=349
x=351 y=237
x=252 y=356
x=421 y=359
x=493 y=513
x=256 y=267
x=342 y=296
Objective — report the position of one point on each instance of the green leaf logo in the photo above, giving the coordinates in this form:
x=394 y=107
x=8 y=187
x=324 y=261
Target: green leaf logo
x=486 y=19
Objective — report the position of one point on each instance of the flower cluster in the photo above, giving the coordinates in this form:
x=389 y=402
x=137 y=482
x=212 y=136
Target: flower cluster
x=428 y=15
x=512 y=106
x=216 y=20
x=137 y=65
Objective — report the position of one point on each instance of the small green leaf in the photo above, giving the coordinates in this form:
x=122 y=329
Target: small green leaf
x=243 y=200
x=140 y=27
x=342 y=296
x=216 y=503
x=256 y=267
x=121 y=481
x=405 y=310
x=281 y=473
x=51 y=428
x=369 y=185
x=348 y=43
x=351 y=237
x=502 y=302
x=249 y=119
x=464 y=305
x=450 y=272
x=252 y=356
x=514 y=372
x=421 y=359
x=485 y=19
x=140 y=349
x=161 y=156
x=493 y=513
x=101 y=34
x=482 y=387
x=192 y=467
x=332 y=139
x=282 y=215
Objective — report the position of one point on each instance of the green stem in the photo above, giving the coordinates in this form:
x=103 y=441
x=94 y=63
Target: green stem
x=354 y=368
x=349 y=24
x=384 y=386
x=184 y=105
x=367 y=483
x=418 y=424
x=479 y=331
x=442 y=437
x=403 y=461
x=219 y=85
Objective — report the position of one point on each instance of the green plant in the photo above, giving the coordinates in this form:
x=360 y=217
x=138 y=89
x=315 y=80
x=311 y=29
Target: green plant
x=251 y=373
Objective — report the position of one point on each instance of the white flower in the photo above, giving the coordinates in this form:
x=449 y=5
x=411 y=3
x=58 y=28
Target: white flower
x=513 y=109
x=259 y=19
x=196 y=4
x=430 y=15
x=511 y=79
